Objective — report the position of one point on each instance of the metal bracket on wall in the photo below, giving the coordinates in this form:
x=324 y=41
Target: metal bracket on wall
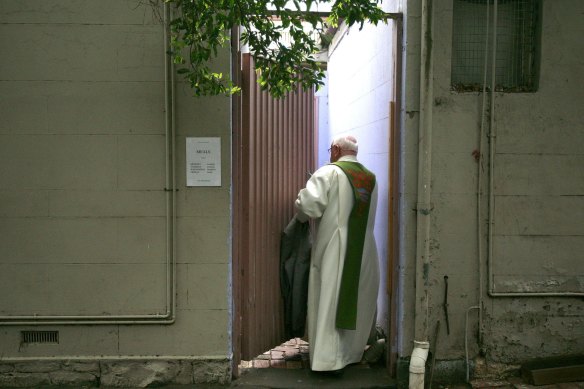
x=445 y=305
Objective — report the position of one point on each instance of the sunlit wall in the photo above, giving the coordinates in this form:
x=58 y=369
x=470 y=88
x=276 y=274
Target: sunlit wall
x=360 y=88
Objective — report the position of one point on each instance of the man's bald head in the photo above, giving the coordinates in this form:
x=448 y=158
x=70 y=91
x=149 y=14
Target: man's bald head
x=343 y=145
x=347 y=143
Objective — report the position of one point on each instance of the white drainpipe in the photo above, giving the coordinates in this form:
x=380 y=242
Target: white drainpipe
x=418 y=364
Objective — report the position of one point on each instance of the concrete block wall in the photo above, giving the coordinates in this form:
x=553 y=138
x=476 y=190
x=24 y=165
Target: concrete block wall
x=538 y=196
x=82 y=179
x=539 y=202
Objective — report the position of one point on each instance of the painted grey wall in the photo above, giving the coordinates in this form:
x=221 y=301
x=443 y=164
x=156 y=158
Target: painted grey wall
x=360 y=74
x=539 y=199
x=539 y=208
x=82 y=178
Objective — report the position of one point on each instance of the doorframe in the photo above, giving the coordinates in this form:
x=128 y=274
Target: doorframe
x=395 y=125
x=394 y=220
x=236 y=162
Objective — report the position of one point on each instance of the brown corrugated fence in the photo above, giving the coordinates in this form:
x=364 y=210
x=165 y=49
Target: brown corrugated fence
x=273 y=153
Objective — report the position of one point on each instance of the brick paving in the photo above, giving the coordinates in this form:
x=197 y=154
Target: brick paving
x=292 y=354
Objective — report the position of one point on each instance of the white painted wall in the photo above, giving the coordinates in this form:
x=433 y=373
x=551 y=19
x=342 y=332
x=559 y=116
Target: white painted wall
x=360 y=71
x=324 y=136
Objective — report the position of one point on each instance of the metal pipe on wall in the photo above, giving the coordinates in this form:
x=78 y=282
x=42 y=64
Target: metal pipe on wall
x=423 y=206
x=170 y=131
x=480 y=179
x=492 y=140
x=466 y=340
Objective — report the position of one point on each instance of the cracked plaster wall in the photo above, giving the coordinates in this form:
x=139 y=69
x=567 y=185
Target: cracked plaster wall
x=539 y=196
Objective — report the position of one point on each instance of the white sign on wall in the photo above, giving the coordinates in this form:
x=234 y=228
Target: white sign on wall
x=203 y=161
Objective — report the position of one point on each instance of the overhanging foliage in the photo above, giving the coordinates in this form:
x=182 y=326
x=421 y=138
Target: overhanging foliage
x=200 y=27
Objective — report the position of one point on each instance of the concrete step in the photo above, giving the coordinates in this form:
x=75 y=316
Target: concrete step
x=352 y=378
x=554 y=370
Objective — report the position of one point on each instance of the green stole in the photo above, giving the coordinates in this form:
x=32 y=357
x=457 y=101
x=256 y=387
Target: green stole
x=362 y=182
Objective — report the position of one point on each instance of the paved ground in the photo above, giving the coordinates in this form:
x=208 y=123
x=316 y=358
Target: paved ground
x=287 y=367
x=354 y=377
x=292 y=354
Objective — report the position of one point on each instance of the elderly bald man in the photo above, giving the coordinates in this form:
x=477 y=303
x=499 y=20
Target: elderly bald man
x=344 y=273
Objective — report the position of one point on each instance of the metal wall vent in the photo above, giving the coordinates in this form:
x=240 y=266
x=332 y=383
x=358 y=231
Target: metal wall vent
x=45 y=337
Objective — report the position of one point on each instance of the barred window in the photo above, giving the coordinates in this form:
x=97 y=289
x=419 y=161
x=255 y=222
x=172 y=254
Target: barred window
x=517 y=44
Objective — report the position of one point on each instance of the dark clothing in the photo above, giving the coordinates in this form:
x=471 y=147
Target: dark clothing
x=295 y=247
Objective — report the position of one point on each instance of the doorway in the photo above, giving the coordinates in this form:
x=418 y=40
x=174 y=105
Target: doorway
x=275 y=146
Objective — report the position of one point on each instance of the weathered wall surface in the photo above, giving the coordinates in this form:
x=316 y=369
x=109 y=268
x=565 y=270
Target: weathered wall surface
x=408 y=174
x=538 y=192
x=82 y=186
x=539 y=200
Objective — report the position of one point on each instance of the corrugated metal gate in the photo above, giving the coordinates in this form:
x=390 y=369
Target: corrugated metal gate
x=273 y=152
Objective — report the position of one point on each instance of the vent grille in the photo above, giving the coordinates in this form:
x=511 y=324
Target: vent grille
x=35 y=337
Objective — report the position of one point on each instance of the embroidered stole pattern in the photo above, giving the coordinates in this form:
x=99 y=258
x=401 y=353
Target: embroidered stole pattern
x=362 y=182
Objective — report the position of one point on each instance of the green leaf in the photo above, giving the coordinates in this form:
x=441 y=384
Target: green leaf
x=201 y=28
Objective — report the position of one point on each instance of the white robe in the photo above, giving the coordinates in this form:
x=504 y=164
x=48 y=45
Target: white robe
x=328 y=196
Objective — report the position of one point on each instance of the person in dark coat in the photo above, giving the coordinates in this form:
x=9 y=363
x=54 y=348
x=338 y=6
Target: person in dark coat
x=295 y=247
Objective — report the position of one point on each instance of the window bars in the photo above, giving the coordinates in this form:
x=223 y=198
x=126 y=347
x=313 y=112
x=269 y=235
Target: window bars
x=516 y=56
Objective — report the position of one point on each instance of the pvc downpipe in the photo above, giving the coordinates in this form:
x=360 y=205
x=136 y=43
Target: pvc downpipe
x=418 y=364
x=466 y=341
